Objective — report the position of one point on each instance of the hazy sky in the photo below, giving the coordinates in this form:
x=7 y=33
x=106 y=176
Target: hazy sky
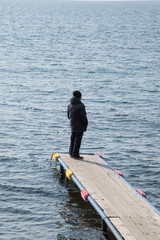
x=117 y=0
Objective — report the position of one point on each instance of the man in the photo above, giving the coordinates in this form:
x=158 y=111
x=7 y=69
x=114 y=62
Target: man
x=78 y=122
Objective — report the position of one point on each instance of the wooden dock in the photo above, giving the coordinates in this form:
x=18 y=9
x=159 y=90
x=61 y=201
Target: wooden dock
x=132 y=216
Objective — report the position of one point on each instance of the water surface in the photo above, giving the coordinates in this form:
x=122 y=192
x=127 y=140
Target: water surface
x=108 y=51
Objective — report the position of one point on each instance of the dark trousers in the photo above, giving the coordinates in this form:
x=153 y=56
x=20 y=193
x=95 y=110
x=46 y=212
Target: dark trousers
x=76 y=139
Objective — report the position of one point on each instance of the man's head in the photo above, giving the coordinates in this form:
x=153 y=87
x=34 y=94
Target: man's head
x=77 y=94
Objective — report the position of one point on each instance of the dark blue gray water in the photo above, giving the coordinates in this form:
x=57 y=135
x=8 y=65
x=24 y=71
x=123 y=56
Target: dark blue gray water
x=110 y=51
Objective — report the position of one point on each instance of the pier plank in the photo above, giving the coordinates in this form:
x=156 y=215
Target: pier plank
x=133 y=217
x=122 y=228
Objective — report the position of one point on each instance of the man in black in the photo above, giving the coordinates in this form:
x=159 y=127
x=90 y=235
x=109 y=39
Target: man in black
x=78 y=121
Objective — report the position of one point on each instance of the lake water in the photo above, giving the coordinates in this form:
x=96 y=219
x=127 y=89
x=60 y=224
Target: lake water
x=110 y=51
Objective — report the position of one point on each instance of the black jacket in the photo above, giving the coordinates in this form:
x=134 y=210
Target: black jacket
x=77 y=115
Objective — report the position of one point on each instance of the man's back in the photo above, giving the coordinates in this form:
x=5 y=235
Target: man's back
x=77 y=115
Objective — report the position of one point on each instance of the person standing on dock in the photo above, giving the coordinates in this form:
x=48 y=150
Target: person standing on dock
x=78 y=122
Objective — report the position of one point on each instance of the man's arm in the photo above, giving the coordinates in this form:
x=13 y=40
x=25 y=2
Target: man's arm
x=83 y=115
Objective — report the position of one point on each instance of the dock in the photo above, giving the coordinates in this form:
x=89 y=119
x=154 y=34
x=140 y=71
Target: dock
x=124 y=210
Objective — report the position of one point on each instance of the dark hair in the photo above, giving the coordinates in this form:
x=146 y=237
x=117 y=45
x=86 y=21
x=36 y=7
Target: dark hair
x=77 y=94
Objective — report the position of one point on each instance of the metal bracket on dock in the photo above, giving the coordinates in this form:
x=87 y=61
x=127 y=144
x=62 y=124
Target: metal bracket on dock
x=69 y=174
x=55 y=156
x=84 y=195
